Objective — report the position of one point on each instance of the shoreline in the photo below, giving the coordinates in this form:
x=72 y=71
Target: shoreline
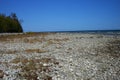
x=63 y=56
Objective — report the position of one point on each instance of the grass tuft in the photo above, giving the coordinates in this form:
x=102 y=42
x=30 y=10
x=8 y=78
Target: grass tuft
x=31 y=67
x=35 y=50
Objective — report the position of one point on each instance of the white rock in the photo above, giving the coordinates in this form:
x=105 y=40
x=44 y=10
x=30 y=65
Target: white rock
x=45 y=64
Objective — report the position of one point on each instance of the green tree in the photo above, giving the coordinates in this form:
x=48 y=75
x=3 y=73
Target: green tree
x=10 y=24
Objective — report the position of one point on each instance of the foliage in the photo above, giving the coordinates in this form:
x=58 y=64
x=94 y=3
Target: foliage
x=10 y=24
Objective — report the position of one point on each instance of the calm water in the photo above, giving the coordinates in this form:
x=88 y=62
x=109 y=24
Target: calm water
x=105 y=32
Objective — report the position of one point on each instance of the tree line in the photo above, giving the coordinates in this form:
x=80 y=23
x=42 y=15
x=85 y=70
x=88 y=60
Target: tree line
x=10 y=24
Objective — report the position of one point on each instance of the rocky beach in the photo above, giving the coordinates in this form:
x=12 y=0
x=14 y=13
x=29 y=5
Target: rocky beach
x=59 y=56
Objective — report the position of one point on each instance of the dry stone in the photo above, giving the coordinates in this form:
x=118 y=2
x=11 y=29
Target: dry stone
x=1 y=74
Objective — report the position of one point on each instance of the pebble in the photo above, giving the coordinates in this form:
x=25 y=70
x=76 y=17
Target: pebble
x=1 y=74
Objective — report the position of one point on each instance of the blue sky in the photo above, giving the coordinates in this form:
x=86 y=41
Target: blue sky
x=62 y=15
